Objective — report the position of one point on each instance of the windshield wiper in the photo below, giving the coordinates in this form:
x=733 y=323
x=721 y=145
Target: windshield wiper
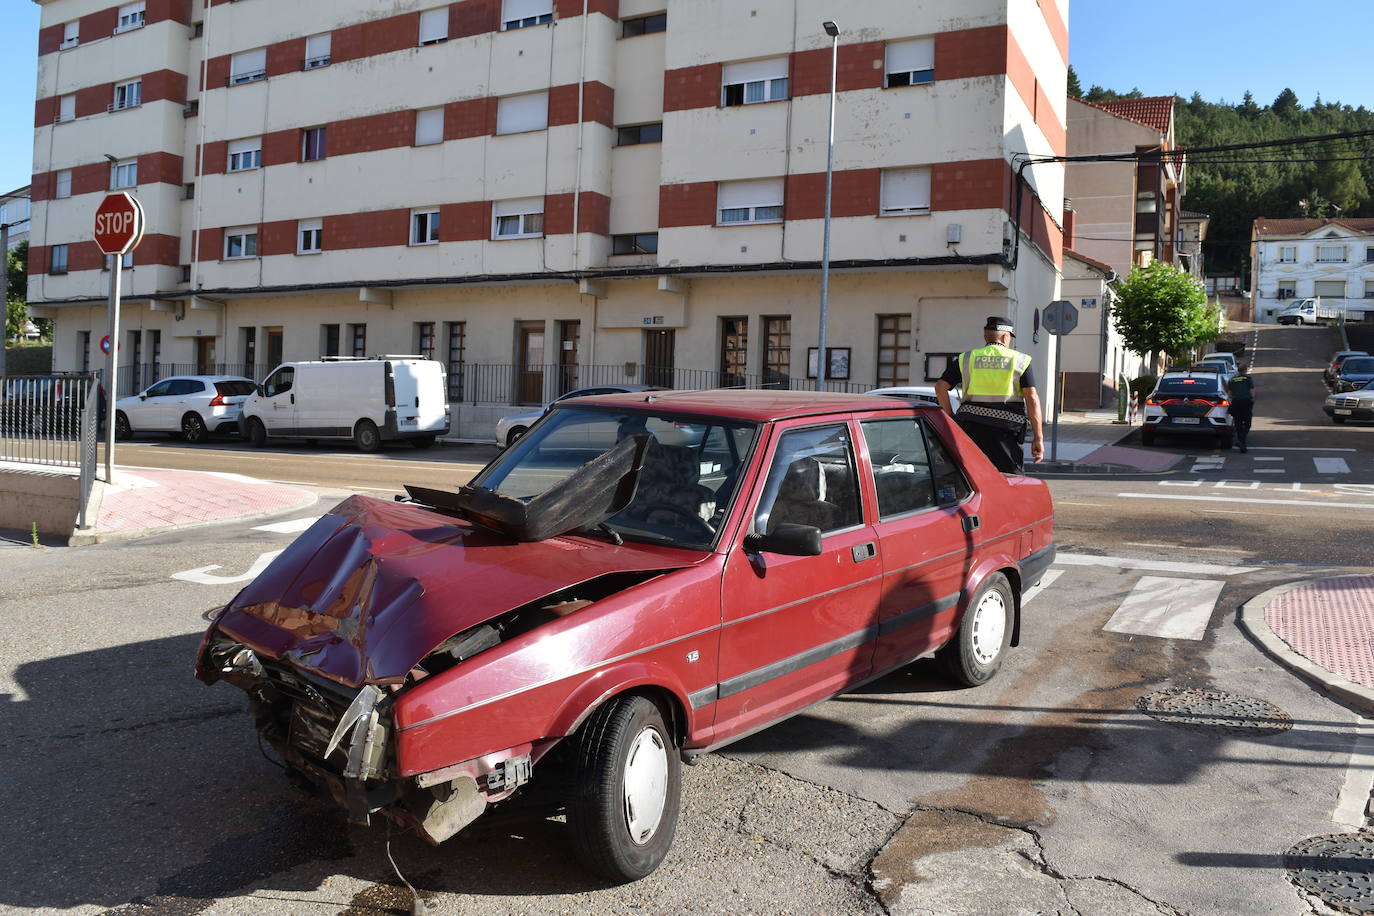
x=611 y=534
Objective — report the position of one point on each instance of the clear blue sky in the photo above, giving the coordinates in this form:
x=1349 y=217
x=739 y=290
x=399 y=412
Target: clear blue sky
x=1217 y=47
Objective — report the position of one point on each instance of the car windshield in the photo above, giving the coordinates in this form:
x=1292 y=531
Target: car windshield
x=691 y=473
x=1199 y=387
x=1358 y=364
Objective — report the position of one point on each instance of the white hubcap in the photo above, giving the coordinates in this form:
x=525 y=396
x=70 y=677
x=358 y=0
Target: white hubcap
x=646 y=784
x=989 y=627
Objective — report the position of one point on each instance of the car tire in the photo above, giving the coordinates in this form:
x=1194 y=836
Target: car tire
x=1147 y=437
x=975 y=653
x=626 y=792
x=254 y=432
x=1338 y=420
x=122 y=428
x=514 y=434
x=422 y=442
x=193 y=429
x=366 y=437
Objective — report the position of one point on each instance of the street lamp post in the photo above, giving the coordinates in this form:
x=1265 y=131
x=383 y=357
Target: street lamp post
x=822 y=364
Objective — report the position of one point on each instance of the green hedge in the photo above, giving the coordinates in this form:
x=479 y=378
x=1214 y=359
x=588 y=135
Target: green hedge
x=28 y=360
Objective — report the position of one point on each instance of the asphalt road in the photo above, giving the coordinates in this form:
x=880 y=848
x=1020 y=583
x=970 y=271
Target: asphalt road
x=133 y=789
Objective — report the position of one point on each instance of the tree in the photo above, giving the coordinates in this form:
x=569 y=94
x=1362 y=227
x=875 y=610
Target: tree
x=1286 y=104
x=16 y=269
x=1075 y=87
x=1162 y=310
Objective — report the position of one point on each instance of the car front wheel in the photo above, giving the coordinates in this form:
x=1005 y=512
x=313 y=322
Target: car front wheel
x=627 y=787
x=513 y=435
x=122 y=428
x=976 y=652
x=255 y=432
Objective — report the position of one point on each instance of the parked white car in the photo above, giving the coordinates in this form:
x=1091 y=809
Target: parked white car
x=924 y=394
x=192 y=406
x=512 y=427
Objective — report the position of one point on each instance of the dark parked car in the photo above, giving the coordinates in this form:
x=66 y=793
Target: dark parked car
x=578 y=620
x=1355 y=372
x=1334 y=366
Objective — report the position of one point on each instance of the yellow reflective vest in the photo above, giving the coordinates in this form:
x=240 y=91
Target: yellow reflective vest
x=991 y=374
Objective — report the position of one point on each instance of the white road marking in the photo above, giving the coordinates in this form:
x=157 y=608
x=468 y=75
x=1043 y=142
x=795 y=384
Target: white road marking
x=1201 y=569
x=1167 y=608
x=204 y=575
x=291 y=527
x=1331 y=465
x=1281 y=448
x=1065 y=502
x=1354 y=795
x=1177 y=547
x=1268 y=470
x=1045 y=582
x=316 y=483
x=1268 y=458
x=1250 y=500
x=1239 y=512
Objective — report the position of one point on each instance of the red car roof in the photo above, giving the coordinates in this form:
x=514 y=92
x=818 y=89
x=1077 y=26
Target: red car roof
x=756 y=405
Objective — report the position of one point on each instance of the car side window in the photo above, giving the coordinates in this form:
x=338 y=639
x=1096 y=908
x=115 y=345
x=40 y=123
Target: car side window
x=812 y=481
x=951 y=486
x=279 y=382
x=193 y=386
x=160 y=390
x=901 y=467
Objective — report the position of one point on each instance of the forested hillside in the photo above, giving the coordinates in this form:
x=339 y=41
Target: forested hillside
x=1328 y=179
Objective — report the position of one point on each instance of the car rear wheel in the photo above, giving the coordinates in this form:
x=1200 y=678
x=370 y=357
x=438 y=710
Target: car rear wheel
x=626 y=791
x=976 y=652
x=515 y=433
x=193 y=428
x=255 y=432
x=366 y=437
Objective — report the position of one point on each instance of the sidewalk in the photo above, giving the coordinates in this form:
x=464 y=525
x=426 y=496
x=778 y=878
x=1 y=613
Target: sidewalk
x=1323 y=630
x=145 y=501
x=1088 y=445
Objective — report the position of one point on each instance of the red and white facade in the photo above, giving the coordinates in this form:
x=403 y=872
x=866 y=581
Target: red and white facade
x=583 y=183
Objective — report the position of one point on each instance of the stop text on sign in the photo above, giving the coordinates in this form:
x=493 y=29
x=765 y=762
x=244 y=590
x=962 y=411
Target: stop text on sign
x=118 y=224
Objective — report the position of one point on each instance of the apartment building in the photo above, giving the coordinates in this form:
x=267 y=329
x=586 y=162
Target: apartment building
x=547 y=193
x=14 y=215
x=1304 y=258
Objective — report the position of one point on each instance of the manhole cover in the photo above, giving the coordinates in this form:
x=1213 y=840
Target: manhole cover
x=1338 y=868
x=1210 y=711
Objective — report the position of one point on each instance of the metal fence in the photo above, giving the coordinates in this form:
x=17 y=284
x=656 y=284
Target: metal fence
x=41 y=417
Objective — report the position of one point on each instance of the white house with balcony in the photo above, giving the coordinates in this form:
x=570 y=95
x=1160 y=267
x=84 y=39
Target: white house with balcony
x=1332 y=259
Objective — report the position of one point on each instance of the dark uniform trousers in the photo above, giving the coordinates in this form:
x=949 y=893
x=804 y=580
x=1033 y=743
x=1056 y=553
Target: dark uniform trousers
x=1000 y=444
x=1242 y=414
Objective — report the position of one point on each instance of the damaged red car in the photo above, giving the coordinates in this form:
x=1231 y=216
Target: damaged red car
x=641 y=579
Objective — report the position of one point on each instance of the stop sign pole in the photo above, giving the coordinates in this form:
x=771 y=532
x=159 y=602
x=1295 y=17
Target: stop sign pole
x=1060 y=319
x=118 y=230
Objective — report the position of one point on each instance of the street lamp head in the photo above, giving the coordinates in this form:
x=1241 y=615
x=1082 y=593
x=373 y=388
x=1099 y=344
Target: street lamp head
x=831 y=28
x=111 y=158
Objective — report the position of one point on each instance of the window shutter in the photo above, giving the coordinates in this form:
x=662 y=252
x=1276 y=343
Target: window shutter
x=317 y=47
x=765 y=192
x=434 y=25
x=518 y=113
x=516 y=207
x=67 y=107
x=751 y=71
x=429 y=126
x=64 y=184
x=249 y=62
x=252 y=144
x=525 y=9
x=906 y=189
x=907 y=56
x=1330 y=289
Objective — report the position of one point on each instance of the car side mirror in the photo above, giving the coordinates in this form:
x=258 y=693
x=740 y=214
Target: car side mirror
x=788 y=539
x=260 y=391
x=143 y=397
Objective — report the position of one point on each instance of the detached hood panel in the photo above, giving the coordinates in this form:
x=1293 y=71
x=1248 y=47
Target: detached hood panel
x=373 y=587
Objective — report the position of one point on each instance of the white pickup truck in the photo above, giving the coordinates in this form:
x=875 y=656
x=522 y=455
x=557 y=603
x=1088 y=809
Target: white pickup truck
x=1313 y=311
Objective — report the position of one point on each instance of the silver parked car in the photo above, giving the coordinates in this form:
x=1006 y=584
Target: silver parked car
x=191 y=406
x=510 y=428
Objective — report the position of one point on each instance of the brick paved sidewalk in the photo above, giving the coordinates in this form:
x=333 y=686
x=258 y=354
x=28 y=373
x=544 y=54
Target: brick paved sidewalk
x=1329 y=622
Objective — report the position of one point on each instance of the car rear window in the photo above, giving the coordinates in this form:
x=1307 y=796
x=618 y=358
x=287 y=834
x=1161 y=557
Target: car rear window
x=1197 y=386
x=1358 y=364
x=234 y=389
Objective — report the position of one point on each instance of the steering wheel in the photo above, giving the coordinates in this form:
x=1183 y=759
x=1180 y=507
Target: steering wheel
x=681 y=512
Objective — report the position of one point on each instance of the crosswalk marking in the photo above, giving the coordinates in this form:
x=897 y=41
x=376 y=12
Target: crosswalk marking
x=1331 y=465
x=1251 y=501
x=293 y=526
x=1167 y=608
x=1045 y=582
x=1173 y=566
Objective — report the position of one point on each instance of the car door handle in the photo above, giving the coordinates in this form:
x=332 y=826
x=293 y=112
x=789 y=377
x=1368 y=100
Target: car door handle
x=293 y=399
x=862 y=552
x=972 y=523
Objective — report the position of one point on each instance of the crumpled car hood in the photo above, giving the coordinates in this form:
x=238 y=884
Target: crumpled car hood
x=373 y=587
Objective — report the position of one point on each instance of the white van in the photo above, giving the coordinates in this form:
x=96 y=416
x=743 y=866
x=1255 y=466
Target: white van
x=367 y=400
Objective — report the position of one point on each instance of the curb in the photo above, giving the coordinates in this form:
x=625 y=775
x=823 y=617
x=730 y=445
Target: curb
x=1250 y=617
x=87 y=538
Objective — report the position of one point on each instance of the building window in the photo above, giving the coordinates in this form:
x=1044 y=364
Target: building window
x=894 y=350
x=434 y=26
x=57 y=259
x=317 y=51
x=424 y=227
x=329 y=340
x=457 y=338
x=910 y=63
x=636 y=243
x=310 y=236
x=126 y=260
x=754 y=81
x=1369 y=289
x=749 y=201
x=777 y=351
x=1329 y=289
x=185 y=273
x=63 y=185
x=518 y=219
x=429 y=126
x=130 y=17
x=517 y=114
x=357 y=337
x=639 y=133
x=241 y=243
x=313 y=144
x=734 y=351
x=245 y=154
x=1330 y=254
x=192 y=109
x=643 y=25
x=66 y=108
x=71 y=35
x=1287 y=289
x=1288 y=254
x=1369 y=255
x=424 y=339
x=905 y=191
x=248 y=66
x=198 y=30
x=124 y=174
x=127 y=95
x=188 y=191
x=519 y=14
x=83 y=346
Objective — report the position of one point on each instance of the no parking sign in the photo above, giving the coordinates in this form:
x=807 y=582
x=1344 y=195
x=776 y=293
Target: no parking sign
x=105 y=345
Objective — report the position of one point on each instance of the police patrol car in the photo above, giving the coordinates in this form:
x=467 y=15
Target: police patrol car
x=1188 y=401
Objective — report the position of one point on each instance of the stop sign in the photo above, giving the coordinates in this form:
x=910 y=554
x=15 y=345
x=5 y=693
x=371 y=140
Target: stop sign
x=118 y=223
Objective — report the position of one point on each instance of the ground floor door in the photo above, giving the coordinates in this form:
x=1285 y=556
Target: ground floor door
x=206 y=356
x=569 y=334
x=658 y=357
x=274 y=348
x=530 y=364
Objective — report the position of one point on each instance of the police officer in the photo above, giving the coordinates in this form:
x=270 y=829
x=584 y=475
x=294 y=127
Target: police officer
x=999 y=397
x=1242 y=404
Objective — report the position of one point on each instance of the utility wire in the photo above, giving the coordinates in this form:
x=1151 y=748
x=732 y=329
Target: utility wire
x=1185 y=152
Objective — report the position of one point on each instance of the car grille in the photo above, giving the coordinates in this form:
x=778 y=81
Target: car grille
x=1347 y=402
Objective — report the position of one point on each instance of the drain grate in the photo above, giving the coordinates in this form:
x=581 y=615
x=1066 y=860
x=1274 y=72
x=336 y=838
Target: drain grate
x=1211 y=711
x=1338 y=868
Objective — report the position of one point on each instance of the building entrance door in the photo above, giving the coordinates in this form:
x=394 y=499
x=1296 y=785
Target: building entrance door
x=205 y=356
x=530 y=370
x=658 y=357
x=569 y=333
x=273 y=347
